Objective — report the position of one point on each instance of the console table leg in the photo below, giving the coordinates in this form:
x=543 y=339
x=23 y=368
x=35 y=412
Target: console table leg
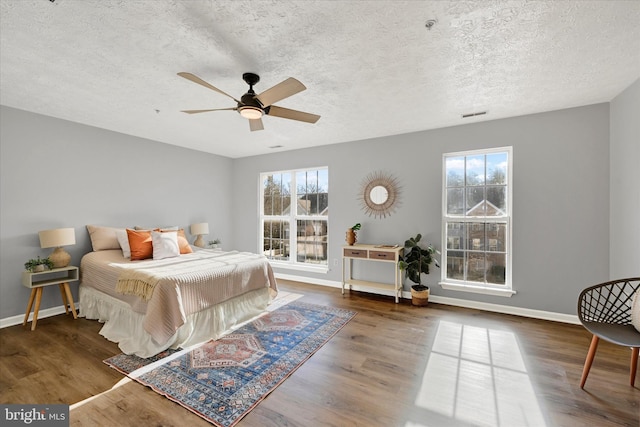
x=342 y=276
x=398 y=284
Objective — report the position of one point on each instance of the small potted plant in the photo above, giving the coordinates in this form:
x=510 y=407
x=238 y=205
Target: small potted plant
x=415 y=262
x=352 y=236
x=214 y=244
x=38 y=265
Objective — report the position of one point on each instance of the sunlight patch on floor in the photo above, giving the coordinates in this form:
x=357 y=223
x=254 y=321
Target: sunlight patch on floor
x=120 y=383
x=477 y=377
x=283 y=298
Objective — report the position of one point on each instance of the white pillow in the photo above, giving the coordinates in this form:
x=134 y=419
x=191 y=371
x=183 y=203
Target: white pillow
x=635 y=310
x=123 y=240
x=103 y=238
x=165 y=245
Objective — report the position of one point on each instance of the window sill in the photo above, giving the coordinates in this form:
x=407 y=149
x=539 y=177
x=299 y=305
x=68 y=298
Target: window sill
x=309 y=268
x=477 y=289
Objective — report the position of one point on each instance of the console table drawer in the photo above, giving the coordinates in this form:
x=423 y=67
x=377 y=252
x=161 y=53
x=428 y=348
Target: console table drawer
x=390 y=256
x=355 y=253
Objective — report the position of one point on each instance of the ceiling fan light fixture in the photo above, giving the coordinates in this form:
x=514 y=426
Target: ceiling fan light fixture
x=250 y=113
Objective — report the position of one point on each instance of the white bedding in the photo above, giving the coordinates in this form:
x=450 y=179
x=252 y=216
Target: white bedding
x=180 y=312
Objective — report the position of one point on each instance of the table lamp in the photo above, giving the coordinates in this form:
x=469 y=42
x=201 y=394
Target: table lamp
x=57 y=238
x=199 y=230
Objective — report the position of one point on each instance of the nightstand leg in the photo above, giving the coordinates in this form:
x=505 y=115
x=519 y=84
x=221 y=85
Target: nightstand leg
x=31 y=298
x=70 y=300
x=35 y=310
x=64 y=298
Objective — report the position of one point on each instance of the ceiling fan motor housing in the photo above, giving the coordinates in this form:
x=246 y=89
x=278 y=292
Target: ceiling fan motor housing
x=249 y=99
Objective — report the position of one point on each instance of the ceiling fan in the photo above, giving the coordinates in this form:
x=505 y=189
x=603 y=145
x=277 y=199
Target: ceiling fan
x=253 y=107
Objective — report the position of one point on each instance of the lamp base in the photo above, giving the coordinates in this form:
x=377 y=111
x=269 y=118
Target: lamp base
x=199 y=241
x=60 y=258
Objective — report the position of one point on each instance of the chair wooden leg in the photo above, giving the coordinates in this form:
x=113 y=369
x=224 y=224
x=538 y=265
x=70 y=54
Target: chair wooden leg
x=587 y=363
x=634 y=365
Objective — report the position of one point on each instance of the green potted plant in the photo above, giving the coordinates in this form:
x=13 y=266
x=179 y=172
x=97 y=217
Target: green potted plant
x=214 y=244
x=414 y=263
x=39 y=264
x=352 y=236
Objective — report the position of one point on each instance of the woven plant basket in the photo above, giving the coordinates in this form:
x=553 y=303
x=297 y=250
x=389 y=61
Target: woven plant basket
x=419 y=298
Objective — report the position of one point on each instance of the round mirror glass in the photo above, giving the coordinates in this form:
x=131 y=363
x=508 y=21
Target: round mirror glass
x=379 y=195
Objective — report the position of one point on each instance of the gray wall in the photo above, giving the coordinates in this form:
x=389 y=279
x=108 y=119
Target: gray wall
x=625 y=183
x=560 y=207
x=55 y=173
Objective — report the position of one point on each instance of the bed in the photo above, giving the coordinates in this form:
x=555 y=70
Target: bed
x=150 y=305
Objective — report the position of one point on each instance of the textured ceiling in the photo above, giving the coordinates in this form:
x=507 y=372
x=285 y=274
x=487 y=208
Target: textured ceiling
x=371 y=68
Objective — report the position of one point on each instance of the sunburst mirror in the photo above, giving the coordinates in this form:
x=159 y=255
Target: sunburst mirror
x=380 y=194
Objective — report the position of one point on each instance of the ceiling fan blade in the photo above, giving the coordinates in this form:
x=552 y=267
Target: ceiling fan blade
x=280 y=91
x=255 y=124
x=206 y=111
x=201 y=82
x=286 y=113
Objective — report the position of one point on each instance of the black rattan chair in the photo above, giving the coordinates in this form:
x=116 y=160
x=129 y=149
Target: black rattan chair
x=605 y=311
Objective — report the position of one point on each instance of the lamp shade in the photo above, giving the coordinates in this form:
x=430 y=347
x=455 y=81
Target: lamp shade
x=57 y=237
x=200 y=228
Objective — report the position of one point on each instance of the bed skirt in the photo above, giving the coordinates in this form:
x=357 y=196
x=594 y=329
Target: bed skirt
x=125 y=327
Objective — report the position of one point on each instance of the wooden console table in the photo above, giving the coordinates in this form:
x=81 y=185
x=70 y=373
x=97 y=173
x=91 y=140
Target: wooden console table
x=379 y=253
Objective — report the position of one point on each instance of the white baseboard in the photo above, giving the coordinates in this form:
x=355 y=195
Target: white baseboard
x=506 y=309
x=47 y=312
x=496 y=308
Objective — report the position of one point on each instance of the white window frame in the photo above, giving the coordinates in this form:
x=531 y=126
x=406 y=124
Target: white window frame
x=293 y=219
x=505 y=289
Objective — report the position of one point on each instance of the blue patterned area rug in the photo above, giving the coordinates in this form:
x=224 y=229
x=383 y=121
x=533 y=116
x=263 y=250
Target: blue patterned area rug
x=222 y=380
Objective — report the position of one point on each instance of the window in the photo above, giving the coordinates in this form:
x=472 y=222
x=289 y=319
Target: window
x=476 y=221
x=294 y=217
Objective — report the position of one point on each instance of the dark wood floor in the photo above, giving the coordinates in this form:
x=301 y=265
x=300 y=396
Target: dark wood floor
x=392 y=365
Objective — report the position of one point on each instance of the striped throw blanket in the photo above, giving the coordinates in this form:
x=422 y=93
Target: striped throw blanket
x=201 y=267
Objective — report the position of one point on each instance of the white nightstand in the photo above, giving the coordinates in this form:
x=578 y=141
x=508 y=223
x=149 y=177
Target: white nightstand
x=37 y=281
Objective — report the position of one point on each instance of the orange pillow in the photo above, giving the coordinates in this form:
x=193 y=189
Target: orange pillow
x=140 y=243
x=183 y=243
x=185 y=247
